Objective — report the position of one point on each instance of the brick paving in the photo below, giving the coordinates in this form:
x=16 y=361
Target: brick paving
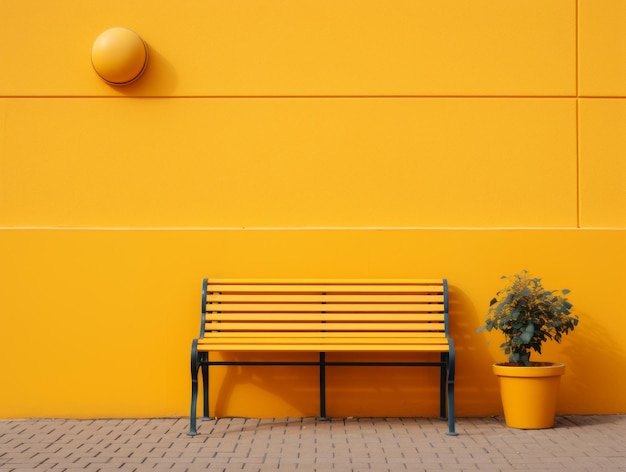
x=577 y=443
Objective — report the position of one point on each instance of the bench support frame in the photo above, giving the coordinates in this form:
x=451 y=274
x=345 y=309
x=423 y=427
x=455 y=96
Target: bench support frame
x=200 y=362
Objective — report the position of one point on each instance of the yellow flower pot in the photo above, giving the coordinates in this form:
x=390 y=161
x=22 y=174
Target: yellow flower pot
x=529 y=393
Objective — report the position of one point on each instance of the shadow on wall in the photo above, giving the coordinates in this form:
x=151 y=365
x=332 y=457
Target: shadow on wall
x=477 y=390
x=351 y=391
x=592 y=356
x=298 y=386
x=159 y=79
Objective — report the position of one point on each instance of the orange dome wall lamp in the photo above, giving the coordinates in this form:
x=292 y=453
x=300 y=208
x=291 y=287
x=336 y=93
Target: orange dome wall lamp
x=119 y=56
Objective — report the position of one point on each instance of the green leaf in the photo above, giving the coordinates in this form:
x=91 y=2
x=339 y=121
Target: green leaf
x=528 y=333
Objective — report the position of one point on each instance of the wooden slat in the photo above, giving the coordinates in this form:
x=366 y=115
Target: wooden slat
x=317 y=344
x=364 y=338
x=280 y=317
x=328 y=308
x=321 y=348
x=286 y=326
x=274 y=281
x=318 y=298
x=329 y=338
x=438 y=336
x=318 y=289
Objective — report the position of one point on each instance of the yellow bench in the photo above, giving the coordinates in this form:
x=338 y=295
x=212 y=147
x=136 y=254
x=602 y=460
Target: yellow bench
x=324 y=316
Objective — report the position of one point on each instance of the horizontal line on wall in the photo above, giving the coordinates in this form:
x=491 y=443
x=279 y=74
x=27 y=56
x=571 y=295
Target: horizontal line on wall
x=307 y=228
x=314 y=97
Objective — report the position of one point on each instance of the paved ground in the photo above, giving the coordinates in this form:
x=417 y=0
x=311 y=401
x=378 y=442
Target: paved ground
x=577 y=443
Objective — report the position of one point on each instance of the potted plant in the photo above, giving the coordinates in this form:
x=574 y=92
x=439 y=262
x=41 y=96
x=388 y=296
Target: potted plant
x=529 y=315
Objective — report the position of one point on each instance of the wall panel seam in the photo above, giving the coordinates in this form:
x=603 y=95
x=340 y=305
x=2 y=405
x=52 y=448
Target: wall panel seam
x=309 y=228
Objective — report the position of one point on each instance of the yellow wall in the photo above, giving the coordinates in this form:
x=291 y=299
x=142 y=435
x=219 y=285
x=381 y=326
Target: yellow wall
x=452 y=139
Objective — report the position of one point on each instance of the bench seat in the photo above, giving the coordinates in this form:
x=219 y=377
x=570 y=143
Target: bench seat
x=322 y=316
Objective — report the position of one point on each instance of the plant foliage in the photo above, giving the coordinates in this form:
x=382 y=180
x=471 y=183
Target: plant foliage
x=529 y=315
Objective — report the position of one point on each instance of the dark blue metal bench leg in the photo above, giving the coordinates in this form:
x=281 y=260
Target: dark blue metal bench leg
x=443 y=378
x=322 y=386
x=451 y=419
x=194 y=388
x=204 y=359
x=451 y=431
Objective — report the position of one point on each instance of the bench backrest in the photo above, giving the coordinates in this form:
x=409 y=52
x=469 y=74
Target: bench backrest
x=394 y=307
